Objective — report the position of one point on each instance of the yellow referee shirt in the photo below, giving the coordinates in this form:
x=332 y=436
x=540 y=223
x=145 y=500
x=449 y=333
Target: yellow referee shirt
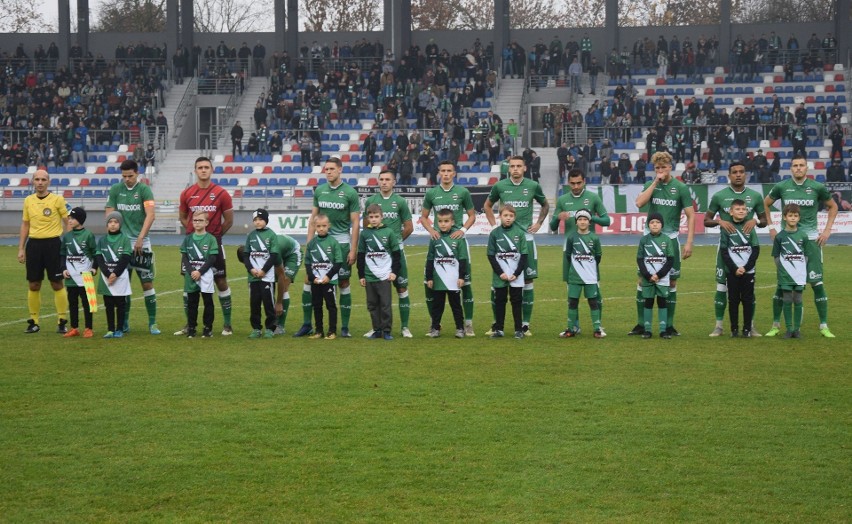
x=45 y=215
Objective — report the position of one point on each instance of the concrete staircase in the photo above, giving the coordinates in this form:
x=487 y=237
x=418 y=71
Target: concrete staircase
x=244 y=114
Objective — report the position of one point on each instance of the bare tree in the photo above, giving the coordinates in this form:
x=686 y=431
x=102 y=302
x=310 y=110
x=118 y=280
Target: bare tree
x=773 y=11
x=132 y=16
x=433 y=14
x=583 y=13
x=341 y=15
x=230 y=16
x=535 y=14
x=23 y=16
x=637 y=13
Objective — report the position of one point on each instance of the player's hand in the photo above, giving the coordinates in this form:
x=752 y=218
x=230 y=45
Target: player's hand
x=353 y=257
x=512 y=278
x=392 y=277
x=504 y=276
x=137 y=248
x=22 y=256
x=772 y=234
x=687 y=251
x=279 y=309
x=534 y=228
x=727 y=226
x=822 y=239
x=66 y=274
x=654 y=278
x=111 y=280
x=749 y=225
x=430 y=283
x=195 y=275
x=435 y=234
x=460 y=283
x=363 y=282
x=457 y=234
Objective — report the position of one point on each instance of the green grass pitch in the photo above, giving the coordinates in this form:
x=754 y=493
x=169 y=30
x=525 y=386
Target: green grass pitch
x=543 y=429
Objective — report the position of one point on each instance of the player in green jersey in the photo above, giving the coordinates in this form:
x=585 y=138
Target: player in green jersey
x=808 y=195
x=790 y=249
x=396 y=215
x=567 y=205
x=135 y=201
x=584 y=255
x=340 y=203
x=669 y=197
x=447 y=195
x=719 y=215
x=521 y=193
x=285 y=274
x=78 y=256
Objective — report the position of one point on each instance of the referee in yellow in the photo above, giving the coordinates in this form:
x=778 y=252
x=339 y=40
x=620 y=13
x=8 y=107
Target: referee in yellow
x=45 y=219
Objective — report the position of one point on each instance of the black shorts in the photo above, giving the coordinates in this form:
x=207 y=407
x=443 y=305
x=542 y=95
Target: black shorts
x=43 y=255
x=219 y=270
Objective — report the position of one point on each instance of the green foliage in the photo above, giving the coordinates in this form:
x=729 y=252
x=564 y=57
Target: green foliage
x=543 y=429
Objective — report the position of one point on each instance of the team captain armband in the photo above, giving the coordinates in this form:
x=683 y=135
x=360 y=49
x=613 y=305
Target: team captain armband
x=149 y=203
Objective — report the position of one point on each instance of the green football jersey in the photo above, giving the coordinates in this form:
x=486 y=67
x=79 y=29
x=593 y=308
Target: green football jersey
x=808 y=196
x=377 y=244
x=669 y=200
x=262 y=246
x=570 y=203
x=444 y=255
x=112 y=248
x=287 y=245
x=583 y=254
x=721 y=200
x=790 y=253
x=79 y=248
x=506 y=245
x=321 y=253
x=653 y=251
x=338 y=203
x=520 y=196
x=131 y=204
x=457 y=199
x=738 y=245
x=395 y=210
x=198 y=249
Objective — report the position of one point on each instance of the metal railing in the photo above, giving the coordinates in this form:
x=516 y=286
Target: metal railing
x=182 y=110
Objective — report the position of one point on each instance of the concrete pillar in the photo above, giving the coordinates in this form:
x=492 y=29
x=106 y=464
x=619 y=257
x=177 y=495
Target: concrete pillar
x=187 y=29
x=613 y=39
x=393 y=27
x=280 y=25
x=841 y=31
x=64 y=43
x=405 y=25
x=291 y=40
x=83 y=25
x=725 y=39
x=172 y=32
x=502 y=30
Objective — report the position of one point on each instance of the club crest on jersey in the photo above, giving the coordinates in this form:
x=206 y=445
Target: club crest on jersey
x=455 y=197
x=586 y=202
x=212 y=197
x=47 y=212
x=393 y=205
x=135 y=196
x=525 y=191
x=808 y=190
x=673 y=190
x=341 y=194
x=663 y=244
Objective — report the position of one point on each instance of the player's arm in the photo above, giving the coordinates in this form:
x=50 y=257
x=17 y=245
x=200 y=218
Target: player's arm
x=471 y=219
x=22 y=240
x=600 y=215
x=767 y=214
x=227 y=220
x=690 y=232
x=148 y=205
x=831 y=208
x=183 y=216
x=489 y=211
x=314 y=213
x=355 y=232
x=645 y=196
x=542 y=216
x=427 y=222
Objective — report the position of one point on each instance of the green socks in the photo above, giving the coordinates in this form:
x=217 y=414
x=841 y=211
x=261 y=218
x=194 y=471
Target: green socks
x=285 y=307
x=404 y=309
x=467 y=301
x=527 y=305
x=821 y=302
x=345 y=306
x=307 y=305
x=719 y=303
